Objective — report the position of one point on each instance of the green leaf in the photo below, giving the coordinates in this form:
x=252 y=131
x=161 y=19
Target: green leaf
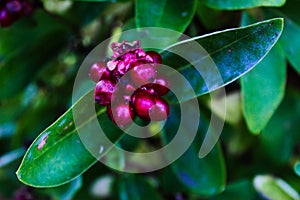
x=239 y=190
x=135 y=187
x=263 y=90
x=57 y=156
x=281 y=133
x=291 y=30
x=234 y=52
x=202 y=176
x=171 y=14
x=242 y=4
x=18 y=61
x=215 y=19
x=274 y=188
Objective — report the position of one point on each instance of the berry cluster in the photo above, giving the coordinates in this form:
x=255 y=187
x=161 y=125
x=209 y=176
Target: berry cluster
x=141 y=91
x=11 y=10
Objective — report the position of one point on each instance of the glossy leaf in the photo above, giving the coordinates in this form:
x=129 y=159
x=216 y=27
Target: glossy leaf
x=171 y=14
x=134 y=187
x=242 y=4
x=202 y=176
x=234 y=53
x=56 y=149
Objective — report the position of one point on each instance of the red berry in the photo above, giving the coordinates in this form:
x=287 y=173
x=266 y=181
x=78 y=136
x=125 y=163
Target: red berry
x=140 y=53
x=103 y=92
x=122 y=68
x=143 y=74
x=5 y=18
x=142 y=102
x=99 y=71
x=160 y=110
x=128 y=57
x=121 y=114
x=161 y=85
x=156 y=58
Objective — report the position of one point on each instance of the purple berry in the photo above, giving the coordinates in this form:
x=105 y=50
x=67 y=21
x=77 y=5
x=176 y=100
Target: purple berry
x=99 y=71
x=103 y=92
x=121 y=114
x=5 y=18
x=160 y=110
x=13 y=6
x=143 y=74
x=142 y=102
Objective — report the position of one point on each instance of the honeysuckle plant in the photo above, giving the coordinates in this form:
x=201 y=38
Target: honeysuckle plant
x=254 y=46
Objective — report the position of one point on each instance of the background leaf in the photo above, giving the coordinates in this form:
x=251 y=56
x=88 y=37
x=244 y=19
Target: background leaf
x=242 y=4
x=202 y=176
x=171 y=14
x=36 y=38
x=274 y=188
x=263 y=89
x=280 y=136
x=290 y=40
x=134 y=187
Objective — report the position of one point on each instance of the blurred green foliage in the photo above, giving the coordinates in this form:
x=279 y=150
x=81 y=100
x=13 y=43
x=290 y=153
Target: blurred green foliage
x=258 y=154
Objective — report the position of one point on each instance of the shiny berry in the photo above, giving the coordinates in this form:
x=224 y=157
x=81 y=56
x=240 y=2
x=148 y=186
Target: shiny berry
x=155 y=57
x=5 y=18
x=99 y=71
x=140 y=53
x=122 y=68
x=103 y=92
x=142 y=74
x=121 y=114
x=161 y=85
x=13 y=6
x=160 y=110
x=142 y=102
x=128 y=57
